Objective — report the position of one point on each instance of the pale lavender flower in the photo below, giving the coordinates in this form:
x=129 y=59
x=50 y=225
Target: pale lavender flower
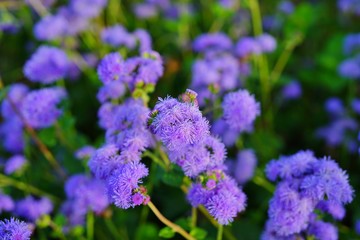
x=144 y=39
x=355 y=105
x=87 y=8
x=117 y=36
x=104 y=161
x=14 y=164
x=247 y=46
x=51 y=27
x=46 y=65
x=292 y=90
x=16 y=94
x=32 y=209
x=350 y=68
x=39 y=107
x=323 y=231
x=266 y=42
x=240 y=110
x=212 y=42
x=6 y=203
x=85 y=152
x=111 y=91
x=245 y=166
x=111 y=68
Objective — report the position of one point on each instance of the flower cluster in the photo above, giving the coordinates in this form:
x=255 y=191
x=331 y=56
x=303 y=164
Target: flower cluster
x=11 y=129
x=151 y=8
x=180 y=126
x=349 y=6
x=40 y=107
x=350 y=67
x=47 y=65
x=306 y=184
x=6 y=203
x=32 y=209
x=76 y=14
x=342 y=127
x=83 y=194
x=14 y=229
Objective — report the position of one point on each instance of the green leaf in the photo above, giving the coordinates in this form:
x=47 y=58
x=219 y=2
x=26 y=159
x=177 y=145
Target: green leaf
x=166 y=232
x=48 y=136
x=198 y=233
x=60 y=220
x=173 y=179
x=147 y=232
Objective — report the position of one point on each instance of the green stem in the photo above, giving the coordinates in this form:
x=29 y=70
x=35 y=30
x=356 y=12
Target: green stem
x=154 y=158
x=193 y=217
x=284 y=57
x=110 y=225
x=220 y=232
x=90 y=225
x=7 y=181
x=260 y=180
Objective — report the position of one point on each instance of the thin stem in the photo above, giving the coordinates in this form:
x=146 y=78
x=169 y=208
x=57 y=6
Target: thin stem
x=154 y=158
x=284 y=58
x=164 y=157
x=61 y=137
x=8 y=181
x=167 y=222
x=220 y=232
x=39 y=8
x=57 y=229
x=261 y=181
x=110 y=225
x=193 y=217
x=90 y=225
x=42 y=147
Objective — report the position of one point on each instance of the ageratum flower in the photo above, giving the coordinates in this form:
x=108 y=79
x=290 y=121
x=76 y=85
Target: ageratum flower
x=6 y=203
x=16 y=94
x=111 y=68
x=14 y=163
x=212 y=42
x=14 y=229
x=84 y=194
x=32 y=209
x=335 y=106
x=178 y=124
x=87 y=8
x=105 y=115
x=50 y=27
x=306 y=184
x=292 y=90
x=245 y=166
x=111 y=91
x=267 y=43
x=123 y=185
x=46 y=65
x=11 y=132
x=240 y=110
x=247 y=46
x=85 y=152
x=224 y=199
x=104 y=161
x=350 y=68
x=117 y=36
x=39 y=107
x=323 y=231
x=144 y=39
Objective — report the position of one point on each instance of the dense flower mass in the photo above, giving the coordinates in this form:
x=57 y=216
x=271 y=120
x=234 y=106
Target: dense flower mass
x=32 y=209
x=240 y=110
x=14 y=229
x=47 y=65
x=39 y=107
x=305 y=183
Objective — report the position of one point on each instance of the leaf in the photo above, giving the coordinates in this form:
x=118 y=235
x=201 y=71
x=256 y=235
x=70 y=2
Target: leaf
x=198 y=233
x=173 y=179
x=48 y=136
x=166 y=232
x=147 y=232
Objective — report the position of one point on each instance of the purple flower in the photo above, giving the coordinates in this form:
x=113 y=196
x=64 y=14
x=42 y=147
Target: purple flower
x=351 y=43
x=144 y=39
x=240 y=110
x=224 y=201
x=212 y=42
x=286 y=7
x=111 y=68
x=39 y=107
x=221 y=128
x=266 y=42
x=51 y=27
x=350 y=68
x=247 y=46
x=46 y=65
x=357 y=227
x=33 y=209
x=292 y=90
x=104 y=161
x=14 y=163
x=14 y=229
x=355 y=105
x=178 y=124
x=85 y=152
x=334 y=106
x=11 y=132
x=87 y=8
x=6 y=203
x=334 y=133
x=16 y=94
x=105 y=115
x=123 y=185
x=111 y=91
x=336 y=210
x=245 y=166
x=117 y=36
x=145 y=10
x=77 y=22
x=323 y=231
